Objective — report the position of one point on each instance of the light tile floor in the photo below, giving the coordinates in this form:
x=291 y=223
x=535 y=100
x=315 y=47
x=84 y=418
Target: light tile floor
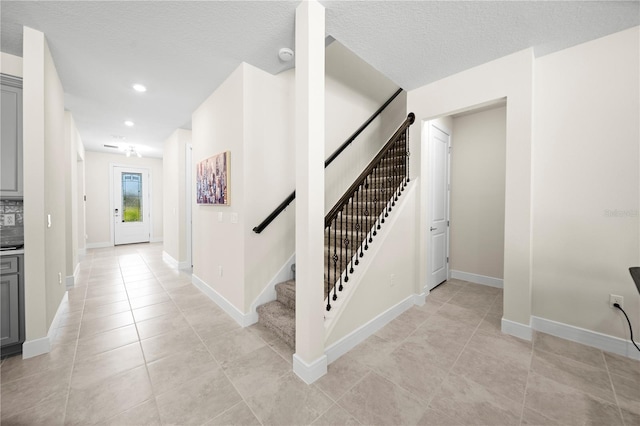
x=139 y=345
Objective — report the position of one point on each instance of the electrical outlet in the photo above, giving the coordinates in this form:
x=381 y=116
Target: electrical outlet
x=392 y=280
x=220 y=270
x=613 y=298
x=59 y=277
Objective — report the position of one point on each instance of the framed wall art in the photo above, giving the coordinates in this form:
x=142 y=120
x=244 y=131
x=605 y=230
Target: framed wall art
x=212 y=180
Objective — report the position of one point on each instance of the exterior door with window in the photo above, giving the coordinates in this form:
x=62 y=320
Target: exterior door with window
x=131 y=207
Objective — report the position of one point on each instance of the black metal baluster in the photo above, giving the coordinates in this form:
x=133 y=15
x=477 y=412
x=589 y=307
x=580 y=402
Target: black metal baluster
x=352 y=236
x=399 y=162
x=361 y=189
x=346 y=245
x=366 y=213
x=376 y=224
x=335 y=259
x=408 y=154
x=329 y=269
x=341 y=245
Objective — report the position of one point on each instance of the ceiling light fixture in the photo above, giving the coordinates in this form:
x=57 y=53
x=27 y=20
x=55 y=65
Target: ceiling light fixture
x=129 y=123
x=131 y=150
x=139 y=88
x=285 y=54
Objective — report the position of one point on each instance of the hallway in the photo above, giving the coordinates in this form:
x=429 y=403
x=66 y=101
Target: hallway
x=140 y=345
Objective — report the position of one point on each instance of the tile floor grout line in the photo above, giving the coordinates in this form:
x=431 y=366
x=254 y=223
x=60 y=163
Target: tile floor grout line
x=615 y=394
x=75 y=354
x=144 y=357
x=449 y=372
x=219 y=364
x=526 y=383
x=154 y=397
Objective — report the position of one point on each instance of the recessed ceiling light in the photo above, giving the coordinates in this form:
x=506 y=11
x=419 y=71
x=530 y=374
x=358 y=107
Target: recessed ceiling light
x=139 y=88
x=128 y=123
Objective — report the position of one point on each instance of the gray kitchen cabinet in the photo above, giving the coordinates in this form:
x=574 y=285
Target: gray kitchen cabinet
x=11 y=175
x=11 y=305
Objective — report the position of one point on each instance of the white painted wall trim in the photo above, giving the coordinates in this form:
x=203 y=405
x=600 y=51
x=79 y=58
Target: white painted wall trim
x=99 y=245
x=70 y=280
x=241 y=318
x=31 y=348
x=309 y=373
x=359 y=335
x=174 y=263
x=155 y=240
x=601 y=341
x=517 y=330
x=477 y=279
x=269 y=292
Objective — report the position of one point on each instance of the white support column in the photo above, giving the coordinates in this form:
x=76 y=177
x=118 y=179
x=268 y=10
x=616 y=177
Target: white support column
x=309 y=361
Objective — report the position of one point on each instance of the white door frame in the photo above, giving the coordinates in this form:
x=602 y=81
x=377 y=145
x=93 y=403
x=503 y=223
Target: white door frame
x=189 y=199
x=112 y=167
x=426 y=144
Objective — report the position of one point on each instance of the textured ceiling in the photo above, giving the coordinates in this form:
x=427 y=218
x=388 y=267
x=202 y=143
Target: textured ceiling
x=183 y=50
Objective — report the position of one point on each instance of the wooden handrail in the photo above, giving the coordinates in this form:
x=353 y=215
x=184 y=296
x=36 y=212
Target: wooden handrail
x=283 y=205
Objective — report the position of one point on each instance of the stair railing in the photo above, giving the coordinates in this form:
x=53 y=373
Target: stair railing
x=355 y=219
x=283 y=205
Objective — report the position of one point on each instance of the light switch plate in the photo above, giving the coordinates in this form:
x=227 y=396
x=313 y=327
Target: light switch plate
x=220 y=217
x=9 y=219
x=234 y=217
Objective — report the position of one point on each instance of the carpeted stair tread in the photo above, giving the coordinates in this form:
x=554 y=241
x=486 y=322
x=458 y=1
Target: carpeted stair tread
x=286 y=294
x=279 y=319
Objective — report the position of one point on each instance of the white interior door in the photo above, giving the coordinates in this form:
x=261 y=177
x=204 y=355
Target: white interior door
x=439 y=149
x=131 y=206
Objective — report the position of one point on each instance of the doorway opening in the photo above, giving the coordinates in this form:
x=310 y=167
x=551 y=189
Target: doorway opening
x=466 y=190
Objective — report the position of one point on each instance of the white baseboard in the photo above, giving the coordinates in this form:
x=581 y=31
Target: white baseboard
x=477 y=279
x=241 y=318
x=269 y=292
x=601 y=341
x=353 y=339
x=516 y=329
x=35 y=347
x=155 y=240
x=31 y=348
x=309 y=373
x=99 y=245
x=174 y=263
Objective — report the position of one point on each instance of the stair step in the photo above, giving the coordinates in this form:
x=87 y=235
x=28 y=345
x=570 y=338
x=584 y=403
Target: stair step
x=279 y=319
x=286 y=292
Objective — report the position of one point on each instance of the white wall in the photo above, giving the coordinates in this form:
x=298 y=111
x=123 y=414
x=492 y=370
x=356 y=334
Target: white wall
x=477 y=192
x=269 y=175
x=354 y=90
x=73 y=146
x=174 y=195
x=586 y=169
x=98 y=210
x=44 y=185
x=10 y=64
x=510 y=77
x=81 y=230
x=217 y=127
x=374 y=290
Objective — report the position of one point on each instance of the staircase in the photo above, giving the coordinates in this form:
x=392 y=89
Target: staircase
x=279 y=316
x=349 y=228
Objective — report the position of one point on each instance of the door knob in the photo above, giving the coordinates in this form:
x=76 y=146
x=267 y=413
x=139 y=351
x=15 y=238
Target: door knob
x=432 y=229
